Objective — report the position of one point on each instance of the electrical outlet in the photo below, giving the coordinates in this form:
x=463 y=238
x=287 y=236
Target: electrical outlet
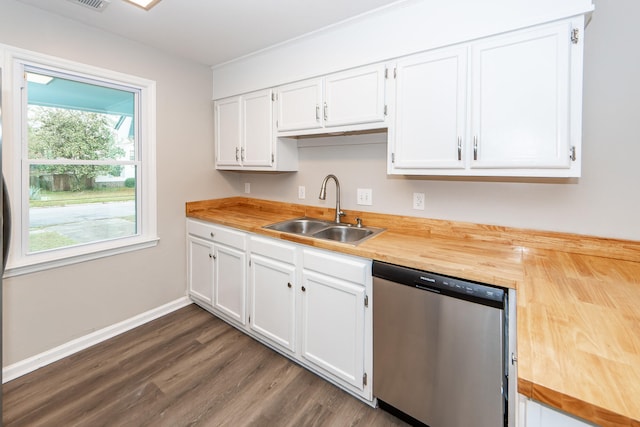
x=301 y=192
x=418 y=201
x=365 y=196
x=247 y=187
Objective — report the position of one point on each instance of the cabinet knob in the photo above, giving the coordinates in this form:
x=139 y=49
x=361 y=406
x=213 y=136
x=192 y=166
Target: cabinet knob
x=210 y=256
x=212 y=234
x=303 y=289
x=289 y=285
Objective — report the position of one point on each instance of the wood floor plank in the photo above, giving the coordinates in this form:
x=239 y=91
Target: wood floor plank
x=185 y=369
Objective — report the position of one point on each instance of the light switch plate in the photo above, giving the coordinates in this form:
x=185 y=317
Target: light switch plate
x=301 y=192
x=247 y=187
x=365 y=196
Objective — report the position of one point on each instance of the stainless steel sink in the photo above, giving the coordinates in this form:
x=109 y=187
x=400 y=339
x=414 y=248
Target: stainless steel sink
x=300 y=225
x=343 y=233
x=326 y=230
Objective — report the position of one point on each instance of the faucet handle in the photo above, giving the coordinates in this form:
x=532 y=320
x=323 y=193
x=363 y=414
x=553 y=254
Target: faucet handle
x=358 y=222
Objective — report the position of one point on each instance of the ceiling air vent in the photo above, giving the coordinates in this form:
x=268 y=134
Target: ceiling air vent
x=97 y=5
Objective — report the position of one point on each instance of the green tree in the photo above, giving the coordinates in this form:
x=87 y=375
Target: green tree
x=62 y=134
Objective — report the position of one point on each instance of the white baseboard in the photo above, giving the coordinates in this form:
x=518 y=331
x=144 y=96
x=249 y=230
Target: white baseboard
x=30 y=364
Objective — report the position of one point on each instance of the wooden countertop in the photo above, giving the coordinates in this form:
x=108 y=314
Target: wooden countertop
x=578 y=297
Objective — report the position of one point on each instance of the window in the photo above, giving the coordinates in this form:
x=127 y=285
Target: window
x=85 y=186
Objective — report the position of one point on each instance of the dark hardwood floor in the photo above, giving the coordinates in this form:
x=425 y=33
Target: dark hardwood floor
x=185 y=369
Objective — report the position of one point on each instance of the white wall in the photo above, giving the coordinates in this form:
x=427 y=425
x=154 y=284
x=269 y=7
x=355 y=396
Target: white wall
x=402 y=28
x=47 y=309
x=605 y=201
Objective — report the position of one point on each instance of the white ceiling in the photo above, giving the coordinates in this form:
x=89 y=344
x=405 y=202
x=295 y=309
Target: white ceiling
x=213 y=31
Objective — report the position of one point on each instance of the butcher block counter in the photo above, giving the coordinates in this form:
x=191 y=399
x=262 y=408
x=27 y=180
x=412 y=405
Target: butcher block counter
x=578 y=297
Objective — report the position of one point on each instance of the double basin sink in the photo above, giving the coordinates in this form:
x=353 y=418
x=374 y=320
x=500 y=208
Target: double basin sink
x=326 y=230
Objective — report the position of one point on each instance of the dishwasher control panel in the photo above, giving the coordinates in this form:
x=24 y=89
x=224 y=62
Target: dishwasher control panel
x=433 y=282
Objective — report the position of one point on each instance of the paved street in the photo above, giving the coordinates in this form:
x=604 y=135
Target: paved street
x=85 y=222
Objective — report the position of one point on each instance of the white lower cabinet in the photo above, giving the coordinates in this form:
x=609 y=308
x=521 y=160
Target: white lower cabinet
x=333 y=326
x=216 y=269
x=534 y=414
x=230 y=289
x=334 y=314
x=272 y=280
x=200 y=269
x=309 y=304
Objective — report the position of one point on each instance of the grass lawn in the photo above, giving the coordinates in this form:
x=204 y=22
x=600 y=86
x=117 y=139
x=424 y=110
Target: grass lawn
x=103 y=195
x=48 y=240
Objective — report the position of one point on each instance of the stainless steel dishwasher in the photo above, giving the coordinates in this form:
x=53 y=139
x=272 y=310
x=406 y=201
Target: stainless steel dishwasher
x=442 y=354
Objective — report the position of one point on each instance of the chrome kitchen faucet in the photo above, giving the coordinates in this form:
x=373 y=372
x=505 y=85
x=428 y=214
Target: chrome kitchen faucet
x=323 y=195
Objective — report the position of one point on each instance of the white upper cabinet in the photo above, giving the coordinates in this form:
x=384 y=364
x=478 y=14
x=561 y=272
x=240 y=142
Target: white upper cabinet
x=299 y=105
x=520 y=103
x=228 y=130
x=353 y=99
x=257 y=129
x=507 y=105
x=431 y=94
x=245 y=138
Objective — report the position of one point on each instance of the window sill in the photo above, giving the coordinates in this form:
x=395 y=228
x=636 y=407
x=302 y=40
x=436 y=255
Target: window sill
x=29 y=266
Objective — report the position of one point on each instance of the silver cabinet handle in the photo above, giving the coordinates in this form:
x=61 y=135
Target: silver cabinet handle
x=326 y=112
x=242 y=154
x=317 y=113
x=475 y=148
x=237 y=157
x=459 y=148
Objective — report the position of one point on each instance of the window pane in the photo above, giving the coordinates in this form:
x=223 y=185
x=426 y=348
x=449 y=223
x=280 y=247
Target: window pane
x=56 y=134
x=70 y=119
x=80 y=204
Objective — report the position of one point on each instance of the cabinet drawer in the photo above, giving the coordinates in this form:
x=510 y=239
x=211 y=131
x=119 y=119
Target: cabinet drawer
x=217 y=233
x=355 y=270
x=274 y=249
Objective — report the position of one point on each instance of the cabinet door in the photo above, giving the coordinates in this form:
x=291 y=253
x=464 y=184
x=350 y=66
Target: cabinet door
x=520 y=106
x=430 y=115
x=354 y=96
x=200 y=269
x=257 y=129
x=230 y=285
x=272 y=285
x=300 y=105
x=333 y=326
x=539 y=415
x=228 y=131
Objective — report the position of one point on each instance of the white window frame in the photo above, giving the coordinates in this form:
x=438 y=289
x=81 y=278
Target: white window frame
x=22 y=262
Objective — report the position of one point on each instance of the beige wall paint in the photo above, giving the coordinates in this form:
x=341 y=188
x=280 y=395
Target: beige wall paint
x=46 y=309
x=605 y=201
